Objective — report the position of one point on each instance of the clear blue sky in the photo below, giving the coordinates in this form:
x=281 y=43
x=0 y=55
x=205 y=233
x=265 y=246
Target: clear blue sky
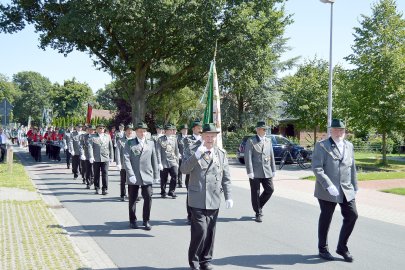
x=309 y=36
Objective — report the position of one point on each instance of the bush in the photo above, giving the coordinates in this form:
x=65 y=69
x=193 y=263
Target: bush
x=231 y=140
x=376 y=143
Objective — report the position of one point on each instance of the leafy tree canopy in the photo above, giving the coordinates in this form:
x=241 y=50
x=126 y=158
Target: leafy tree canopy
x=136 y=39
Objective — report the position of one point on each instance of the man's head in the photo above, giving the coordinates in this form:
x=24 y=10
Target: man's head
x=261 y=128
x=140 y=130
x=91 y=129
x=184 y=129
x=78 y=127
x=100 y=129
x=129 y=130
x=196 y=127
x=209 y=135
x=170 y=129
x=337 y=130
x=121 y=127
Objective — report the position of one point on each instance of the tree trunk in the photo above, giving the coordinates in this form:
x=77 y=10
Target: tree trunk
x=138 y=100
x=384 y=148
x=314 y=136
x=240 y=111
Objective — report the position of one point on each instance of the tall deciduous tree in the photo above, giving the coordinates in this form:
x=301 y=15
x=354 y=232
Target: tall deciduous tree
x=71 y=98
x=379 y=77
x=305 y=95
x=105 y=97
x=133 y=39
x=7 y=89
x=35 y=96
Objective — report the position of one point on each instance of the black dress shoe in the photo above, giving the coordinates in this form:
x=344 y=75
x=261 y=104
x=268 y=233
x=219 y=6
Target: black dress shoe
x=258 y=218
x=326 y=256
x=147 y=225
x=96 y=191
x=133 y=225
x=172 y=194
x=163 y=195
x=104 y=192
x=122 y=199
x=206 y=266
x=346 y=255
x=87 y=187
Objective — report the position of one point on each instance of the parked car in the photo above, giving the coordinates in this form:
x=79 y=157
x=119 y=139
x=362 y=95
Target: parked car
x=279 y=143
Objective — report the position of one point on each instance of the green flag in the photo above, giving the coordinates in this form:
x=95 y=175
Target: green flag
x=209 y=90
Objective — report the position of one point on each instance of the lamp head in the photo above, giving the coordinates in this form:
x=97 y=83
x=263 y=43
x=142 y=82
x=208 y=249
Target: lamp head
x=328 y=1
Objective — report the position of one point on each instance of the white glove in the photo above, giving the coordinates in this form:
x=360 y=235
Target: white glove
x=65 y=147
x=274 y=174
x=229 y=203
x=160 y=167
x=132 y=179
x=111 y=160
x=72 y=152
x=91 y=160
x=156 y=181
x=356 y=191
x=251 y=175
x=83 y=157
x=119 y=167
x=333 y=190
x=201 y=150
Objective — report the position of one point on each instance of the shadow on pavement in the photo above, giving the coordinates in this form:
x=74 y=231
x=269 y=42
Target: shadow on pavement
x=265 y=261
x=109 y=229
x=249 y=261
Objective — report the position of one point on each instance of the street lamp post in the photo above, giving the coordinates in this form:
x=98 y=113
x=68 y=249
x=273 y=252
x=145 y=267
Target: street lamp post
x=330 y=65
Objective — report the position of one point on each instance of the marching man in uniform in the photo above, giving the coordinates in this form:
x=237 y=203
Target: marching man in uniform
x=168 y=160
x=180 y=142
x=142 y=171
x=101 y=154
x=119 y=153
x=85 y=155
x=209 y=172
x=336 y=183
x=260 y=167
x=75 y=150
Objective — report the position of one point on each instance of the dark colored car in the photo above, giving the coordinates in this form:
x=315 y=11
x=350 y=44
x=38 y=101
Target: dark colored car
x=280 y=144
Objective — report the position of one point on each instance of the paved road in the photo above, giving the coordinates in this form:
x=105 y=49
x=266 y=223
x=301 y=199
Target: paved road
x=287 y=239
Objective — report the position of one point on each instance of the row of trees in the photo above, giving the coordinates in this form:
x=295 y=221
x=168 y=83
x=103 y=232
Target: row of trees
x=30 y=93
x=371 y=96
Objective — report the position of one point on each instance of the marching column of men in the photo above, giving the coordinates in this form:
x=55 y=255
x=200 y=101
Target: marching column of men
x=144 y=161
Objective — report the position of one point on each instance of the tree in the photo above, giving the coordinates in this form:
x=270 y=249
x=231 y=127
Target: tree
x=35 y=96
x=305 y=94
x=105 y=98
x=7 y=89
x=134 y=40
x=379 y=74
x=71 y=98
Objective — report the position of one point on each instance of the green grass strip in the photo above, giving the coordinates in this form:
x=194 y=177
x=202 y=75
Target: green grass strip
x=15 y=176
x=372 y=176
x=398 y=191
